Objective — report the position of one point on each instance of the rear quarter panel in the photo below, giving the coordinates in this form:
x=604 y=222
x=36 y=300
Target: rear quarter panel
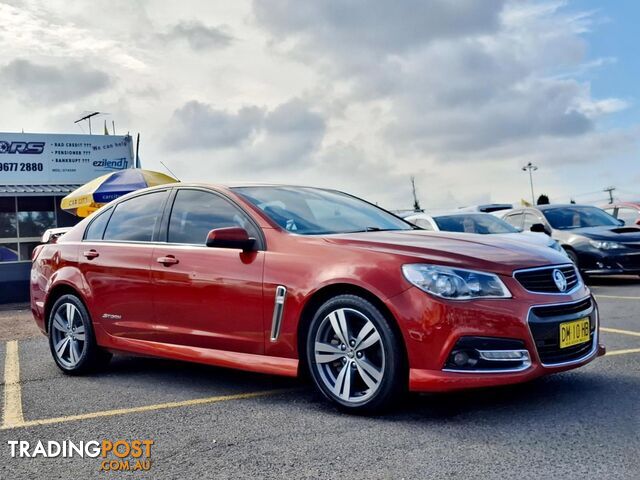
x=55 y=265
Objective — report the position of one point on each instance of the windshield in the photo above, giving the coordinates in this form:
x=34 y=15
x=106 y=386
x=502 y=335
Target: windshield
x=482 y=223
x=566 y=218
x=312 y=211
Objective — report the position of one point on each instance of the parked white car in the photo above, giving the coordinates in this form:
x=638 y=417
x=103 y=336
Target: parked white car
x=480 y=223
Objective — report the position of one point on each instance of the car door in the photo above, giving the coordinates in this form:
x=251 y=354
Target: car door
x=207 y=297
x=115 y=260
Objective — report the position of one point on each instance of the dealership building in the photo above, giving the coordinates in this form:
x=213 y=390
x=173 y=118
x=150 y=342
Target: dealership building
x=36 y=172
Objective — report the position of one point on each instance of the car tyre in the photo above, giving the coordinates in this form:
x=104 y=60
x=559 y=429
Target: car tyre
x=355 y=356
x=72 y=339
x=572 y=256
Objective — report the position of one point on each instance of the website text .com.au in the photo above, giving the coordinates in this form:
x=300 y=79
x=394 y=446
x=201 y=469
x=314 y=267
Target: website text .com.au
x=113 y=455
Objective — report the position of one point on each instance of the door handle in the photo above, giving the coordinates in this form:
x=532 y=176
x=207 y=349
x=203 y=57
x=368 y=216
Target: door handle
x=168 y=260
x=90 y=254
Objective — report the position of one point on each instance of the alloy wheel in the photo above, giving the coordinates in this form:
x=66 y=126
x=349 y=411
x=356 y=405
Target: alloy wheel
x=349 y=355
x=68 y=334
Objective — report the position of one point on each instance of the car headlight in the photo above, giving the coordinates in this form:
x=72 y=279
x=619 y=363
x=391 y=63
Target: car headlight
x=455 y=283
x=605 y=245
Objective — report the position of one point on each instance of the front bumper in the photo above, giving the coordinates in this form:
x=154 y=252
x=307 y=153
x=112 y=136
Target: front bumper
x=599 y=262
x=431 y=328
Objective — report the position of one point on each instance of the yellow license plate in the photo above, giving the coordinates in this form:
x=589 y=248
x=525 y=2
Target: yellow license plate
x=574 y=333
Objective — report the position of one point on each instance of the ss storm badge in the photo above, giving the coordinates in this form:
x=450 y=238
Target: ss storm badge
x=560 y=280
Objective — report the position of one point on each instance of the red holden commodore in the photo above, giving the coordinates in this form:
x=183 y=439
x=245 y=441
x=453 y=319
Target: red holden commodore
x=281 y=280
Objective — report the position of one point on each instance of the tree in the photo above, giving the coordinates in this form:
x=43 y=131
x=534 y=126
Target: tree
x=543 y=200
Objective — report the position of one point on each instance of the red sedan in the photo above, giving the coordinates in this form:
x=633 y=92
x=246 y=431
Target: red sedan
x=281 y=280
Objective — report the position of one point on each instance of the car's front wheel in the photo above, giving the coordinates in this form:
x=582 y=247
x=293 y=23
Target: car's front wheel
x=354 y=355
x=572 y=256
x=71 y=337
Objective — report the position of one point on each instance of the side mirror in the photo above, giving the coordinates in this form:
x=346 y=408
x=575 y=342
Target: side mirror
x=539 y=228
x=231 y=237
x=621 y=222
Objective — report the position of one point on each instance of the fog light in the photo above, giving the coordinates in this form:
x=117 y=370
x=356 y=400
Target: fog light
x=460 y=358
x=488 y=354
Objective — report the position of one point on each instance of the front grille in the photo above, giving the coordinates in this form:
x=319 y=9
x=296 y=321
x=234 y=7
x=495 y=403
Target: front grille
x=560 y=310
x=544 y=323
x=540 y=280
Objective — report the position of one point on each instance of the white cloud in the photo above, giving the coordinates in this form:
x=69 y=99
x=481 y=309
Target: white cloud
x=196 y=125
x=53 y=84
x=199 y=36
x=358 y=95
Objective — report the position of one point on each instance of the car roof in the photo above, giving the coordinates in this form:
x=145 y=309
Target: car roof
x=550 y=206
x=455 y=213
x=462 y=214
x=622 y=204
x=542 y=208
x=242 y=184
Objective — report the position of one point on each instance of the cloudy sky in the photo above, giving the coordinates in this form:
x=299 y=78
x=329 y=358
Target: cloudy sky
x=354 y=94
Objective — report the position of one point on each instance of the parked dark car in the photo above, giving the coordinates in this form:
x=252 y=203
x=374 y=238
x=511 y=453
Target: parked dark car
x=629 y=212
x=595 y=241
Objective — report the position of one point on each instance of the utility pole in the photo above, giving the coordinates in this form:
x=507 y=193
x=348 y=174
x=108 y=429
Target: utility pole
x=416 y=203
x=610 y=190
x=532 y=168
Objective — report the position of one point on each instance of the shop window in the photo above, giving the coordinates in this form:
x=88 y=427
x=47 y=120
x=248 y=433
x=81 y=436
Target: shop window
x=26 y=249
x=35 y=215
x=8 y=252
x=8 y=220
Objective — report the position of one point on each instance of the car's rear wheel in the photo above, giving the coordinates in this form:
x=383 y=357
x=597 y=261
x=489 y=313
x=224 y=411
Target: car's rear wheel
x=354 y=355
x=71 y=338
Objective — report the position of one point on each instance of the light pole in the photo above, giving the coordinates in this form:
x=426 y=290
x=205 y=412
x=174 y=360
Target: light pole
x=532 y=168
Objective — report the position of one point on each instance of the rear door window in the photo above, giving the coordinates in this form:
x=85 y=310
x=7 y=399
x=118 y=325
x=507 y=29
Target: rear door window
x=423 y=223
x=514 y=220
x=97 y=226
x=529 y=219
x=136 y=219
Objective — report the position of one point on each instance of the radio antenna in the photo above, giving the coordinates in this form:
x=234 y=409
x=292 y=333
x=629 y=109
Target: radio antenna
x=169 y=170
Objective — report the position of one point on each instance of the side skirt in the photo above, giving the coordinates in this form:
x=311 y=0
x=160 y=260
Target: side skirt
x=220 y=358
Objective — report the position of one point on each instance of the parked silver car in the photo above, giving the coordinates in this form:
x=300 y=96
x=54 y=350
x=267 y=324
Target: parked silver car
x=481 y=223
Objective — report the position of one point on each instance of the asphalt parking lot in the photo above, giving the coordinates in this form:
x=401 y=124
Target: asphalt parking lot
x=214 y=423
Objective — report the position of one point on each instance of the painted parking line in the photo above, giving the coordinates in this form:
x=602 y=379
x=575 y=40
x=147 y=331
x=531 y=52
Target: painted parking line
x=12 y=413
x=618 y=330
x=13 y=416
x=622 y=352
x=616 y=297
x=146 y=408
